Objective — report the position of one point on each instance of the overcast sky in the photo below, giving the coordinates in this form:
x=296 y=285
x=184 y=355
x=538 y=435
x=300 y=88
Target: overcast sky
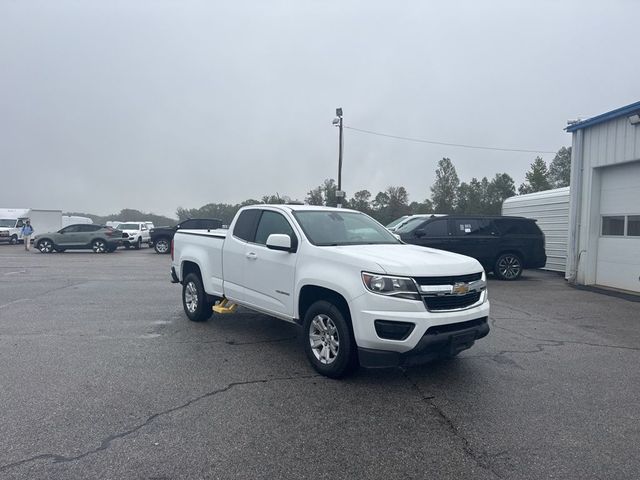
x=152 y=105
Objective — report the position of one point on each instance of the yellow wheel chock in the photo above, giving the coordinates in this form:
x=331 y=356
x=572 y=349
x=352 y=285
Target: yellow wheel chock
x=224 y=306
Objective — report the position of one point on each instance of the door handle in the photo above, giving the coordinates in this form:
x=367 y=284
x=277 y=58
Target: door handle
x=251 y=256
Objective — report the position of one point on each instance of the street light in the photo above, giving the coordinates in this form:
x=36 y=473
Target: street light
x=337 y=122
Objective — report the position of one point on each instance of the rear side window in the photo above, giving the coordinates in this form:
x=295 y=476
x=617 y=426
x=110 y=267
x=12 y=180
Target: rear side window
x=89 y=228
x=189 y=224
x=437 y=228
x=246 y=224
x=272 y=222
x=517 y=227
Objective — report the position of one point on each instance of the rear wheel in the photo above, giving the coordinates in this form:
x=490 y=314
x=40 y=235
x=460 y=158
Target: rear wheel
x=99 y=246
x=194 y=299
x=508 y=266
x=161 y=245
x=45 y=245
x=328 y=341
x=138 y=244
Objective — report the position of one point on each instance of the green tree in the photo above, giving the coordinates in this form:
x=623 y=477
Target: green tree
x=537 y=179
x=560 y=168
x=444 y=189
x=361 y=201
x=500 y=188
x=315 y=196
x=398 y=203
x=417 y=207
x=472 y=197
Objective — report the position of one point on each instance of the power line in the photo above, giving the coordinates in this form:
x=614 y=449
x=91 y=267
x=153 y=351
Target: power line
x=433 y=142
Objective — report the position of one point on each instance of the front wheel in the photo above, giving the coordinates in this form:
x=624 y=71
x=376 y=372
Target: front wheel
x=138 y=244
x=13 y=240
x=161 y=246
x=508 y=266
x=45 y=245
x=328 y=341
x=194 y=299
x=99 y=246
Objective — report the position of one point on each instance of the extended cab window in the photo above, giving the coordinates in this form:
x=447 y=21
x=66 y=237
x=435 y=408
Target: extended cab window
x=246 y=224
x=272 y=222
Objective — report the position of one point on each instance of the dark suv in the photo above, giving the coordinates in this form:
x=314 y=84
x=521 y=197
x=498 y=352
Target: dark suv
x=160 y=237
x=504 y=245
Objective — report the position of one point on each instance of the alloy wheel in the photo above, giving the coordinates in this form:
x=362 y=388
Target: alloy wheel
x=509 y=267
x=324 y=339
x=191 y=297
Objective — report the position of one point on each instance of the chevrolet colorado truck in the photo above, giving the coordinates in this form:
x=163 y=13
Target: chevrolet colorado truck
x=361 y=295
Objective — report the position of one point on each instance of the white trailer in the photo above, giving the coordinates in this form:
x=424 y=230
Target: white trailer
x=12 y=220
x=550 y=209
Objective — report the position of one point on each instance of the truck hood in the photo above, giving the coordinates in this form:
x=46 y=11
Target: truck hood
x=410 y=260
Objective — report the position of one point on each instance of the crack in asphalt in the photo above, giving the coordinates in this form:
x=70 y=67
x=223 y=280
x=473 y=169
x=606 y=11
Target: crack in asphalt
x=478 y=458
x=107 y=441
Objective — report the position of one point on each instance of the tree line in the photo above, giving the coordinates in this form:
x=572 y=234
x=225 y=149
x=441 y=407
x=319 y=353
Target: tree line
x=448 y=194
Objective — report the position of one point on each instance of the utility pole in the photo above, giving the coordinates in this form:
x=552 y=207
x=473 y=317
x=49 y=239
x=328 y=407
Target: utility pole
x=338 y=122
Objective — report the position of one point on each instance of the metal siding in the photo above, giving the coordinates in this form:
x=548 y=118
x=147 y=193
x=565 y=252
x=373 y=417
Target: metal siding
x=550 y=209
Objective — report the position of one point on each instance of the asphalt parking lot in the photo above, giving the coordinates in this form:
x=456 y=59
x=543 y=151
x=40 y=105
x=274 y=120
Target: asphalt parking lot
x=102 y=376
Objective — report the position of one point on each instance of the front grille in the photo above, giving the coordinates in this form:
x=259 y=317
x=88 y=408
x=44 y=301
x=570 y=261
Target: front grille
x=451 y=302
x=450 y=280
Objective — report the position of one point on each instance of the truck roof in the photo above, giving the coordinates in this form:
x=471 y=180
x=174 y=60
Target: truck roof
x=296 y=207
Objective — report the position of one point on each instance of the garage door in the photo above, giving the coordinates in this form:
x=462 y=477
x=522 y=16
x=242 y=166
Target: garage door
x=618 y=261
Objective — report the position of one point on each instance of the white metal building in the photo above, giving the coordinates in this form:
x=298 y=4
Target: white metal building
x=550 y=209
x=604 y=219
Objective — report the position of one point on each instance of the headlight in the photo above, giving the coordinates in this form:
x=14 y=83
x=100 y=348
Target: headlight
x=401 y=287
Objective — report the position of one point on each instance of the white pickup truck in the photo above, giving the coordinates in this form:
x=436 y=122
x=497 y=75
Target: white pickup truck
x=361 y=295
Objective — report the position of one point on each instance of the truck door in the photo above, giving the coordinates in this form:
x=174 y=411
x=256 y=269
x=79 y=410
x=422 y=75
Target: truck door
x=234 y=251
x=269 y=274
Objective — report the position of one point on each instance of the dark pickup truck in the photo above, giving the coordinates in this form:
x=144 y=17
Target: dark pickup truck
x=161 y=236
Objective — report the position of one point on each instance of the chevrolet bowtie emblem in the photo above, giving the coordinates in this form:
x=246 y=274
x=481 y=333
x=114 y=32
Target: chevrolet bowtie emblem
x=460 y=288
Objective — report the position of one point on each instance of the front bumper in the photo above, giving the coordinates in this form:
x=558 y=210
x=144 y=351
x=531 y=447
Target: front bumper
x=436 y=343
x=454 y=329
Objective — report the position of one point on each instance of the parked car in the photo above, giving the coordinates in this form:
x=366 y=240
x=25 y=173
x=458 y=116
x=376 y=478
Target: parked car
x=411 y=219
x=99 y=238
x=134 y=234
x=161 y=236
x=503 y=245
x=393 y=224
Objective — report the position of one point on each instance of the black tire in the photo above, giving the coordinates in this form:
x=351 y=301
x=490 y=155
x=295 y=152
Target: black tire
x=45 y=245
x=13 y=240
x=99 y=246
x=508 y=267
x=194 y=299
x=162 y=245
x=111 y=249
x=138 y=244
x=325 y=325
x=127 y=246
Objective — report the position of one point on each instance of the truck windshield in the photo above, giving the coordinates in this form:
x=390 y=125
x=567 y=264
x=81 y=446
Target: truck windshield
x=331 y=228
x=7 y=222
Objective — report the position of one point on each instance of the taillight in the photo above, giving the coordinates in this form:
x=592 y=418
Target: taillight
x=109 y=232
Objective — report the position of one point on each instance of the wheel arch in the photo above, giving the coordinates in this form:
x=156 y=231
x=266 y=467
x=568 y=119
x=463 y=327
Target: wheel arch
x=309 y=294
x=188 y=267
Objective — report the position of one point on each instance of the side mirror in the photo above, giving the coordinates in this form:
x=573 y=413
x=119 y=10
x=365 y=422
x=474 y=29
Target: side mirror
x=279 y=241
x=419 y=233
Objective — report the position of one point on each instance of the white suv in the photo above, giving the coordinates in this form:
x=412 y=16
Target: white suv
x=134 y=234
